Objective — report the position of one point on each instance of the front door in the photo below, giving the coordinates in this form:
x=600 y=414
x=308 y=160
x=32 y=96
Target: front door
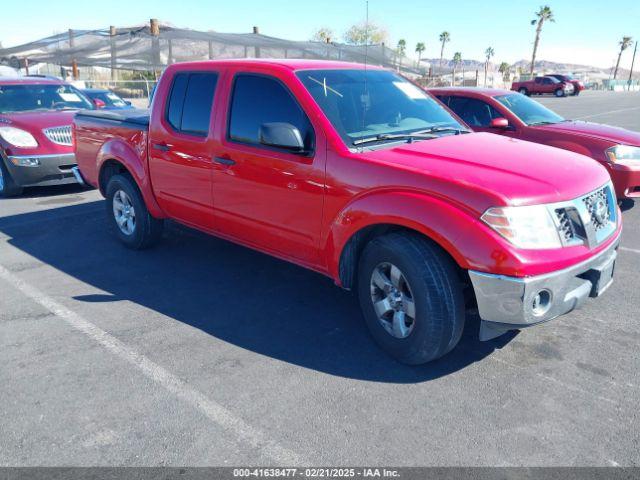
x=180 y=149
x=268 y=197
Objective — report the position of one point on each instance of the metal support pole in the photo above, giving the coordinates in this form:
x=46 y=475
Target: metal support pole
x=74 y=64
x=210 y=50
x=256 y=31
x=154 y=28
x=114 y=52
x=170 y=55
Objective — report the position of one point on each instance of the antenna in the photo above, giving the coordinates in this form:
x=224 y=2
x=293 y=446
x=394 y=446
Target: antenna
x=364 y=98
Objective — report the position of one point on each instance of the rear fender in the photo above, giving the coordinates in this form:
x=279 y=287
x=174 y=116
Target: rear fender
x=134 y=161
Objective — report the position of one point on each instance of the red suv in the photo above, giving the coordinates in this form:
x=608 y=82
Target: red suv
x=35 y=132
x=517 y=116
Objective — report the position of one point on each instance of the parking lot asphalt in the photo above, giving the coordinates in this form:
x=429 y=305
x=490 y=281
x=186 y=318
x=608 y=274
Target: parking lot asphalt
x=201 y=352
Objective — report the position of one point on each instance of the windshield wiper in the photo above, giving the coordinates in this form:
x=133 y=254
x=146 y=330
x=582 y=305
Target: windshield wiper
x=457 y=131
x=395 y=136
x=547 y=122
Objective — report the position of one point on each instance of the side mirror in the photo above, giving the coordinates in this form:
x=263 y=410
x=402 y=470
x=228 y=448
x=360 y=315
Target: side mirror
x=99 y=103
x=127 y=102
x=281 y=135
x=502 y=123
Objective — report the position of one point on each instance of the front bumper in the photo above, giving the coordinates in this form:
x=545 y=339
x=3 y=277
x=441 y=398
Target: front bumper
x=30 y=170
x=626 y=179
x=507 y=303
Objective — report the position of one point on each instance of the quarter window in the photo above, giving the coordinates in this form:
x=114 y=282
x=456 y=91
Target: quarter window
x=259 y=99
x=191 y=101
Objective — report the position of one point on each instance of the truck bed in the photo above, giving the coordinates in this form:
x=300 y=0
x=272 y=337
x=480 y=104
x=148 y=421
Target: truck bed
x=135 y=116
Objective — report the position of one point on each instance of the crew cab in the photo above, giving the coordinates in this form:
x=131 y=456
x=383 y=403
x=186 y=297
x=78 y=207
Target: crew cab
x=543 y=85
x=358 y=174
x=35 y=132
x=578 y=86
x=516 y=116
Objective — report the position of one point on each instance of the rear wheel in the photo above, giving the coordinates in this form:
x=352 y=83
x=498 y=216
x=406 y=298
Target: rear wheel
x=8 y=187
x=523 y=91
x=128 y=214
x=559 y=92
x=411 y=297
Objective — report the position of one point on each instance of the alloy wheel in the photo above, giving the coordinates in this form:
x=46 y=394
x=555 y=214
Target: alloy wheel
x=392 y=300
x=124 y=213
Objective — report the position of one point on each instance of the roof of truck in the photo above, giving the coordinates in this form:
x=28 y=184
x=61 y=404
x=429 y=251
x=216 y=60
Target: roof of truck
x=291 y=63
x=488 y=92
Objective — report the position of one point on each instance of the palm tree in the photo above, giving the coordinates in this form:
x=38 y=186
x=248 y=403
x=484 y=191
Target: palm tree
x=419 y=49
x=624 y=44
x=401 y=49
x=489 y=52
x=444 y=38
x=504 y=69
x=457 y=60
x=543 y=15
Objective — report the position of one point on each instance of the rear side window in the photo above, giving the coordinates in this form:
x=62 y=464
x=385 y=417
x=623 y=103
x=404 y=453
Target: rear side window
x=191 y=101
x=259 y=99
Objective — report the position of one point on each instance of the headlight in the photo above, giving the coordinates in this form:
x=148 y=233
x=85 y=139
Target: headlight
x=525 y=227
x=18 y=137
x=623 y=152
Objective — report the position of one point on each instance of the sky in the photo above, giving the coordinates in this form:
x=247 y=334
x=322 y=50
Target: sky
x=585 y=32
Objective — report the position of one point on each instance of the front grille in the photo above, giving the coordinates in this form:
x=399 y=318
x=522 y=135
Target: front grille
x=59 y=135
x=598 y=207
x=565 y=225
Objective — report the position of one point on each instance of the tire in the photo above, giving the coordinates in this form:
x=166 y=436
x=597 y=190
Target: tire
x=140 y=230
x=523 y=91
x=576 y=92
x=559 y=92
x=430 y=283
x=8 y=187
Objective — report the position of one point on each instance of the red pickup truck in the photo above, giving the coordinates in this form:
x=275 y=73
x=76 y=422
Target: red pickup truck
x=358 y=174
x=542 y=85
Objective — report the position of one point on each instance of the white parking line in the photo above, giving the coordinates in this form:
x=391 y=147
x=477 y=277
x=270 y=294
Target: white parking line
x=214 y=411
x=607 y=113
x=626 y=249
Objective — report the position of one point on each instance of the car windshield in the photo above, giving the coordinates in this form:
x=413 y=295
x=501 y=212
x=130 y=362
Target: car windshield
x=110 y=99
x=527 y=110
x=377 y=106
x=43 y=96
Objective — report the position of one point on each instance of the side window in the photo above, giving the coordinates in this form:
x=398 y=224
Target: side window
x=475 y=113
x=259 y=99
x=444 y=99
x=547 y=81
x=191 y=101
x=538 y=80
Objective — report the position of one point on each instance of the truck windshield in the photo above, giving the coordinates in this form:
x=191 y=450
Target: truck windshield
x=30 y=97
x=376 y=105
x=527 y=110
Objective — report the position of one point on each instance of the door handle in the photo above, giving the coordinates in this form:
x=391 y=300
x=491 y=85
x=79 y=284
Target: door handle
x=163 y=147
x=224 y=161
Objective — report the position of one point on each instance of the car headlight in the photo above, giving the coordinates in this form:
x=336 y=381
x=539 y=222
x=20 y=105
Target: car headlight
x=18 y=137
x=525 y=227
x=623 y=152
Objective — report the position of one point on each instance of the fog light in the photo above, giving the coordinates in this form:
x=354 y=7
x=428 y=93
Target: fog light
x=541 y=303
x=25 y=161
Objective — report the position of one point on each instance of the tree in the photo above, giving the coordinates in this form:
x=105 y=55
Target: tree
x=489 y=52
x=363 y=34
x=543 y=15
x=624 y=44
x=420 y=47
x=444 y=38
x=323 y=35
x=457 y=60
x=402 y=47
x=505 y=70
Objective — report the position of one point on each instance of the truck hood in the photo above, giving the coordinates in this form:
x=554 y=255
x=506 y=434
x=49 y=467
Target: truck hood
x=483 y=169
x=36 y=121
x=594 y=130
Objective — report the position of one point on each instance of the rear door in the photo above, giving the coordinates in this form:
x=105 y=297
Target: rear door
x=264 y=196
x=180 y=145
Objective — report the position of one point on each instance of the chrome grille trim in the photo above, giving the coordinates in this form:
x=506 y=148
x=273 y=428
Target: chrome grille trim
x=588 y=220
x=60 y=135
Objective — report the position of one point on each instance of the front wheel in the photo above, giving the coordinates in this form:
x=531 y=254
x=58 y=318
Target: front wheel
x=576 y=92
x=128 y=215
x=8 y=187
x=411 y=297
x=559 y=92
x=523 y=91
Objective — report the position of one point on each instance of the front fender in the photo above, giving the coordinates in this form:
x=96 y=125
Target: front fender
x=440 y=220
x=132 y=156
